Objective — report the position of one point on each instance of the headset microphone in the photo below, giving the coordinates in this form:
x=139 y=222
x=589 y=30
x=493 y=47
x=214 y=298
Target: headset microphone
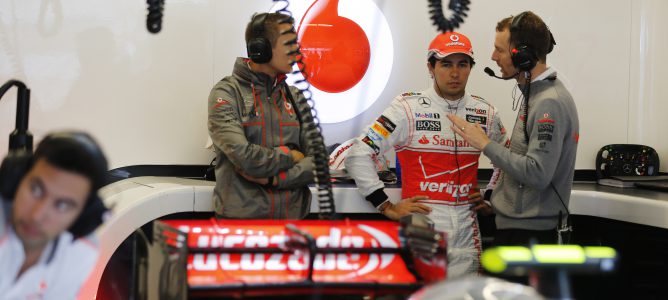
x=491 y=73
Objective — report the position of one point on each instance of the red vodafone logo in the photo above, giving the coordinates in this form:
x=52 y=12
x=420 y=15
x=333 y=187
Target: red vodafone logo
x=336 y=49
x=348 y=52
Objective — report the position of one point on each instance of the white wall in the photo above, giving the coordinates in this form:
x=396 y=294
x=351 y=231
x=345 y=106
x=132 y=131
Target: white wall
x=92 y=65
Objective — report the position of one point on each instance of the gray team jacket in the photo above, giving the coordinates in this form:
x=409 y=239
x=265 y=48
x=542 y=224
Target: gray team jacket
x=524 y=197
x=253 y=125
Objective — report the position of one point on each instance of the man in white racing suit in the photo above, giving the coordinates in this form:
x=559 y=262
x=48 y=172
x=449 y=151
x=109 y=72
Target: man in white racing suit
x=439 y=170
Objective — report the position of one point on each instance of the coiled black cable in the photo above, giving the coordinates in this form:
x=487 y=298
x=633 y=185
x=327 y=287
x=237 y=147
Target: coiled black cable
x=526 y=105
x=315 y=140
x=154 y=17
x=459 y=9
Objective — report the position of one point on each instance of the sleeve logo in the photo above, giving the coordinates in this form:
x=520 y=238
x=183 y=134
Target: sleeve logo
x=546 y=119
x=220 y=103
x=380 y=130
x=387 y=123
x=371 y=144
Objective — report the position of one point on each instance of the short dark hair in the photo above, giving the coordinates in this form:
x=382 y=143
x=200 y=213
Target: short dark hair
x=75 y=152
x=432 y=61
x=533 y=32
x=271 y=23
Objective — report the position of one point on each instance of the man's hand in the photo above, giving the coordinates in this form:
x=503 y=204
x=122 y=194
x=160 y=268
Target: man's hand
x=406 y=207
x=296 y=155
x=479 y=205
x=260 y=181
x=475 y=197
x=472 y=133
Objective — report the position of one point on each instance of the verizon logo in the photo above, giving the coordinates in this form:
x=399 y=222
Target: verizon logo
x=448 y=187
x=479 y=111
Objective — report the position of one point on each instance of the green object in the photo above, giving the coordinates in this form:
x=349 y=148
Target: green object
x=600 y=252
x=494 y=260
x=519 y=259
x=559 y=254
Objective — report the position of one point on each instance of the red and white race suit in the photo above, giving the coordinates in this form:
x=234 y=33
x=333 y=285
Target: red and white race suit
x=434 y=162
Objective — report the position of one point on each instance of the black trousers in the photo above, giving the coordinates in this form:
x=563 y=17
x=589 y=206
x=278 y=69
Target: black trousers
x=523 y=237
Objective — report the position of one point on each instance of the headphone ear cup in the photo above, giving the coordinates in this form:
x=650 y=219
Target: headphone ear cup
x=523 y=58
x=259 y=50
x=15 y=165
x=90 y=218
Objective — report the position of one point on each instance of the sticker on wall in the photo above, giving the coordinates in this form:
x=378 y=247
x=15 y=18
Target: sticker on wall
x=348 y=52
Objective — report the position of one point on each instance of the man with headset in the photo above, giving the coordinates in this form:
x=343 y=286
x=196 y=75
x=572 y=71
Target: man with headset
x=439 y=174
x=49 y=209
x=256 y=129
x=537 y=169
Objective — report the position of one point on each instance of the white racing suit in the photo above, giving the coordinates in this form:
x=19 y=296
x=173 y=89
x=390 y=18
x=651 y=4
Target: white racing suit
x=434 y=163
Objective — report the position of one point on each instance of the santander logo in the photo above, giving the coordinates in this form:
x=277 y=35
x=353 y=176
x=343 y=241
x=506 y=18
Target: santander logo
x=348 y=52
x=423 y=140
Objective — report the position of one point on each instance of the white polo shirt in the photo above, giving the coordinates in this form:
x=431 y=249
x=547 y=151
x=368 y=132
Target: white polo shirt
x=59 y=273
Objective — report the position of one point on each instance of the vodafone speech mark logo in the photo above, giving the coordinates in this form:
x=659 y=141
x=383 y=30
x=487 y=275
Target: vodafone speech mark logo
x=451 y=187
x=348 y=51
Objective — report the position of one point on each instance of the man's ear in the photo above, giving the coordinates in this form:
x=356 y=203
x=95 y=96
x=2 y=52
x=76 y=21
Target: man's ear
x=431 y=69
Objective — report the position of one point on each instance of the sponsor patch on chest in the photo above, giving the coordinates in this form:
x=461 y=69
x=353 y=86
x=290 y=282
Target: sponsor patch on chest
x=428 y=125
x=427 y=115
x=476 y=119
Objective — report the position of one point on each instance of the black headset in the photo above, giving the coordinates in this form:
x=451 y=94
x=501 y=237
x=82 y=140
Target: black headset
x=523 y=55
x=18 y=163
x=259 y=47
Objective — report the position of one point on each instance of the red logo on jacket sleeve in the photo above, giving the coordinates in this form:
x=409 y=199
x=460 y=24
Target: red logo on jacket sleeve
x=220 y=103
x=546 y=119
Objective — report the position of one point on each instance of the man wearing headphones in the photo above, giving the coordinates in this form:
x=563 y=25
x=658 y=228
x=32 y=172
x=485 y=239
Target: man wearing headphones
x=256 y=128
x=439 y=174
x=49 y=209
x=537 y=169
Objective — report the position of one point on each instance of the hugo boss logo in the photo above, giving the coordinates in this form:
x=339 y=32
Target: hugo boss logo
x=428 y=125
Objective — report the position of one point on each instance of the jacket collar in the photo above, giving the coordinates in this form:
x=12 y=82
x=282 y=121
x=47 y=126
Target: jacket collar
x=244 y=73
x=431 y=93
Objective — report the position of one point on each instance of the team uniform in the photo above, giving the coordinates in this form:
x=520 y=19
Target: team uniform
x=537 y=172
x=60 y=272
x=253 y=126
x=435 y=163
